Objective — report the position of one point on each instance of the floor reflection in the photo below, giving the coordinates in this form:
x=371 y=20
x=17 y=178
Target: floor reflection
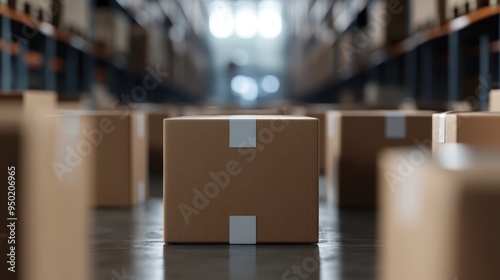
x=242 y=261
x=128 y=245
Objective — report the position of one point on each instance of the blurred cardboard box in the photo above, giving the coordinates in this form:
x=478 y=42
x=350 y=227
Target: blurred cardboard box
x=425 y=14
x=456 y=8
x=53 y=216
x=75 y=17
x=115 y=144
x=383 y=95
x=155 y=117
x=459 y=106
x=354 y=140
x=112 y=29
x=74 y=103
x=14 y=107
x=41 y=10
x=472 y=128
x=30 y=102
x=346 y=54
x=138 y=47
x=495 y=100
x=319 y=112
x=241 y=180
x=437 y=216
x=384 y=32
x=32 y=8
x=426 y=106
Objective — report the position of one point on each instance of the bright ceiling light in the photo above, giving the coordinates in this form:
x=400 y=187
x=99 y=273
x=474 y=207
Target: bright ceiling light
x=245 y=23
x=246 y=87
x=270 y=19
x=270 y=84
x=221 y=20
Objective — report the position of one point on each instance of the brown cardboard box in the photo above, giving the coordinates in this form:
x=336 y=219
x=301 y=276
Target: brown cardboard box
x=52 y=225
x=155 y=138
x=112 y=29
x=456 y=8
x=437 y=216
x=138 y=49
x=426 y=13
x=247 y=179
x=472 y=128
x=319 y=112
x=495 y=100
x=77 y=16
x=354 y=140
x=382 y=32
x=16 y=105
x=32 y=102
x=115 y=144
x=376 y=94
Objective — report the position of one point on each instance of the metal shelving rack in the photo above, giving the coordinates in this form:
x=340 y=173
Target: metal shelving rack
x=38 y=55
x=430 y=65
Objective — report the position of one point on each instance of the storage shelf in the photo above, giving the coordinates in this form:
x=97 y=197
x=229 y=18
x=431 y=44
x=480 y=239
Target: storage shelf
x=411 y=43
x=49 y=30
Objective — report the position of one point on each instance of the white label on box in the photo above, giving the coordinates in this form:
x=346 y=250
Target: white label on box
x=395 y=125
x=331 y=125
x=242 y=132
x=140 y=125
x=442 y=126
x=141 y=192
x=242 y=229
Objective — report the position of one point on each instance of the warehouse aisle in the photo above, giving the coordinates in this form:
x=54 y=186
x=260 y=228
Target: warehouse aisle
x=128 y=245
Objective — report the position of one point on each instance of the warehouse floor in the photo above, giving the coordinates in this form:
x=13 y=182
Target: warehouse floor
x=128 y=246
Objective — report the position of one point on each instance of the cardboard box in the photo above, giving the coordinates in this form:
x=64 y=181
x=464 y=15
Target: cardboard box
x=53 y=222
x=456 y=8
x=116 y=146
x=241 y=180
x=76 y=16
x=138 y=50
x=425 y=14
x=319 y=112
x=494 y=100
x=16 y=106
x=383 y=95
x=32 y=102
x=155 y=119
x=354 y=140
x=112 y=29
x=381 y=32
x=472 y=128
x=437 y=216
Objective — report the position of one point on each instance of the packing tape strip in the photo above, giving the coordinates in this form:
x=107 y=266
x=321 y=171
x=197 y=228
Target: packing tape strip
x=395 y=125
x=331 y=125
x=442 y=126
x=242 y=132
x=140 y=125
x=68 y=134
x=141 y=191
x=242 y=229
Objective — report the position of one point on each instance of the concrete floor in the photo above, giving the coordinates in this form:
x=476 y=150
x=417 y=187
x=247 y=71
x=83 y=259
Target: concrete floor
x=127 y=245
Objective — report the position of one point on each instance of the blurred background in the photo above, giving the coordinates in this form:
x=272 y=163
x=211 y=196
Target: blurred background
x=248 y=53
